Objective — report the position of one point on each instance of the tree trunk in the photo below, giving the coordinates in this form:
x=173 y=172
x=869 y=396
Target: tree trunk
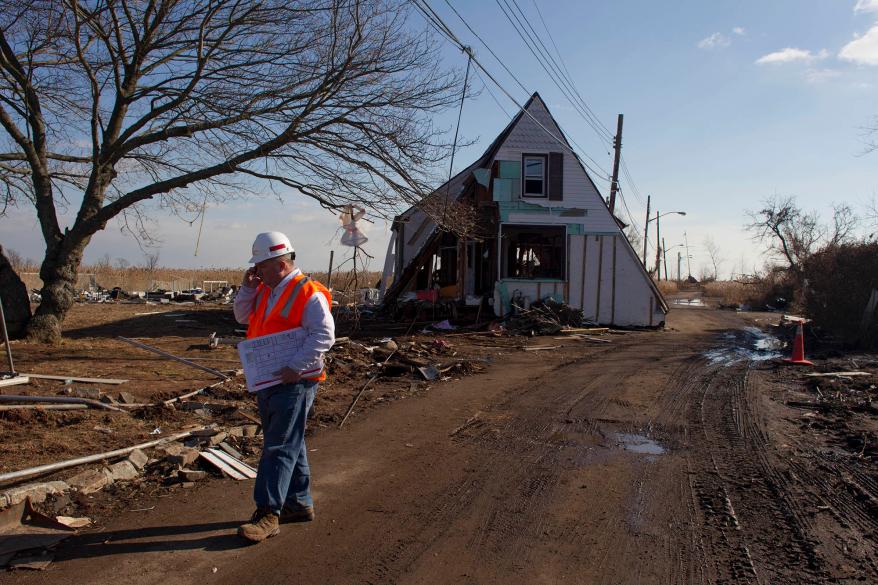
x=16 y=301
x=58 y=272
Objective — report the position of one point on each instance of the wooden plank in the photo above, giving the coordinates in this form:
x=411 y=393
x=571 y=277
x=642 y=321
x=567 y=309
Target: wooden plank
x=236 y=464
x=594 y=330
x=78 y=379
x=597 y=310
x=14 y=381
x=222 y=465
x=584 y=268
x=838 y=374
x=230 y=450
x=613 y=296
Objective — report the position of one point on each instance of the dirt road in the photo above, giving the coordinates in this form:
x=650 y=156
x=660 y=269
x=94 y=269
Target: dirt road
x=640 y=461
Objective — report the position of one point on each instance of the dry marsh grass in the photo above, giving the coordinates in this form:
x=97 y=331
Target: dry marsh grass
x=730 y=292
x=138 y=278
x=667 y=286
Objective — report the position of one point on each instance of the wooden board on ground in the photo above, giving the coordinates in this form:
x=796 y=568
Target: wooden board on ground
x=77 y=379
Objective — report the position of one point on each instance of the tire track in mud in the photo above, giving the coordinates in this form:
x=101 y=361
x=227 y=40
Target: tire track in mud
x=522 y=467
x=748 y=507
x=837 y=483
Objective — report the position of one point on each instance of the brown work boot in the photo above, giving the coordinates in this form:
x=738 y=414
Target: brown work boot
x=263 y=524
x=296 y=514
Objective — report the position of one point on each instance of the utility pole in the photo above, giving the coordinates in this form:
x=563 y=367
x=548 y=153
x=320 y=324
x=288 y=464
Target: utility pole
x=679 y=263
x=688 y=257
x=658 y=248
x=614 y=184
x=646 y=229
x=665 y=258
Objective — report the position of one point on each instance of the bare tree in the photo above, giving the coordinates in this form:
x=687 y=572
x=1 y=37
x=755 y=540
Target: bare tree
x=871 y=217
x=109 y=104
x=122 y=263
x=151 y=262
x=634 y=236
x=792 y=234
x=713 y=253
x=16 y=260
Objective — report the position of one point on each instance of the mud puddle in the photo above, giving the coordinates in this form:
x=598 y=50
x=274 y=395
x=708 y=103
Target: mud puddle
x=689 y=302
x=746 y=344
x=640 y=444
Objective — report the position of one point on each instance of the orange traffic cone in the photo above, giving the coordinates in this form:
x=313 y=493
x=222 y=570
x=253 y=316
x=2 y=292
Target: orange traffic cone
x=798 y=356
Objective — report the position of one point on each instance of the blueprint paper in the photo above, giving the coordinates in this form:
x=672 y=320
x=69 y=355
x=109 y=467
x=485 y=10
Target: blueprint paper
x=263 y=356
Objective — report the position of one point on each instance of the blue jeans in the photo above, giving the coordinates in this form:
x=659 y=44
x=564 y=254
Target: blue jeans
x=284 y=477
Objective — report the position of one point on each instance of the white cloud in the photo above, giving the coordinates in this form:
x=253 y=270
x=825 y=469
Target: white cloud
x=866 y=6
x=821 y=75
x=739 y=30
x=863 y=50
x=791 y=55
x=714 y=41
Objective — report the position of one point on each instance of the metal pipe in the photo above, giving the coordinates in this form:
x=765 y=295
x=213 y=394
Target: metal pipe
x=90 y=458
x=4 y=407
x=171 y=356
x=58 y=400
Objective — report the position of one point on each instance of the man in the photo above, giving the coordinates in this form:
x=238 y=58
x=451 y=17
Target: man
x=275 y=296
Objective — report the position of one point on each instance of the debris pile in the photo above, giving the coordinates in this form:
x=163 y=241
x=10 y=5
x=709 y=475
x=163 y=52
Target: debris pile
x=180 y=460
x=548 y=317
x=842 y=405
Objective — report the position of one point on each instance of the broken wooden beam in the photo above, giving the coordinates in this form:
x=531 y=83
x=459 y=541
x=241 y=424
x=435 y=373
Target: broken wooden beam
x=837 y=374
x=171 y=356
x=77 y=379
x=190 y=394
x=592 y=330
x=14 y=381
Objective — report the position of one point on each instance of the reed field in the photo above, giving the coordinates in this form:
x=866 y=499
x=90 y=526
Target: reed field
x=139 y=278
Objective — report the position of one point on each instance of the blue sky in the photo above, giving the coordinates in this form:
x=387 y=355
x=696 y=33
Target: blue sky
x=725 y=102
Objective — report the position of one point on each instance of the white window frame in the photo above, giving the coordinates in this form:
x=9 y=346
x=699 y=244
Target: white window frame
x=544 y=160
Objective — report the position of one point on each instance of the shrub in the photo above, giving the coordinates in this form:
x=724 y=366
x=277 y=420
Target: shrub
x=838 y=284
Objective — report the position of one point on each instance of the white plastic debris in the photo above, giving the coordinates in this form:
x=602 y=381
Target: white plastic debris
x=352 y=236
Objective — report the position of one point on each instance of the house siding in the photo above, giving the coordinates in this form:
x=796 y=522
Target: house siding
x=578 y=190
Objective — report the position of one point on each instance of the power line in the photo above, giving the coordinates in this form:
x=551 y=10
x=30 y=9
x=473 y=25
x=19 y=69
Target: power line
x=547 y=67
x=569 y=89
x=491 y=93
x=499 y=60
x=541 y=58
x=630 y=180
x=443 y=28
x=567 y=71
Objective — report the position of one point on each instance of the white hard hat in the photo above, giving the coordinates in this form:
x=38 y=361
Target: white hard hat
x=270 y=245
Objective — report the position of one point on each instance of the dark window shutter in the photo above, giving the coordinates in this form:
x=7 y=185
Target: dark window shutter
x=556 y=176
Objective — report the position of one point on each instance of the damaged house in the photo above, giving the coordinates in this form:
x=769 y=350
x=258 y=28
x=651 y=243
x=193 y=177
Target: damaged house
x=536 y=227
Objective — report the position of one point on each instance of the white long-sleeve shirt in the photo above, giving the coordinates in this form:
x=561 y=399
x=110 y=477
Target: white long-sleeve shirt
x=317 y=321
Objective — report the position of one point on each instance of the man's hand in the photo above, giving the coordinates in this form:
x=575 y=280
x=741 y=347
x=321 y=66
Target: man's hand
x=288 y=376
x=250 y=278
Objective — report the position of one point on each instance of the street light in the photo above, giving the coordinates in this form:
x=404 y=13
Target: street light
x=665 y=257
x=657 y=232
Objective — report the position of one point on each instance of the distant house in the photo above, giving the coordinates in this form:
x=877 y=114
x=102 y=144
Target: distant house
x=542 y=230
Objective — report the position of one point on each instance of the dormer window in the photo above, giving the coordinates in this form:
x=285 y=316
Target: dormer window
x=534 y=175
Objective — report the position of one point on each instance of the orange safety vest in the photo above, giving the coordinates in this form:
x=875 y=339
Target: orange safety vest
x=287 y=311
